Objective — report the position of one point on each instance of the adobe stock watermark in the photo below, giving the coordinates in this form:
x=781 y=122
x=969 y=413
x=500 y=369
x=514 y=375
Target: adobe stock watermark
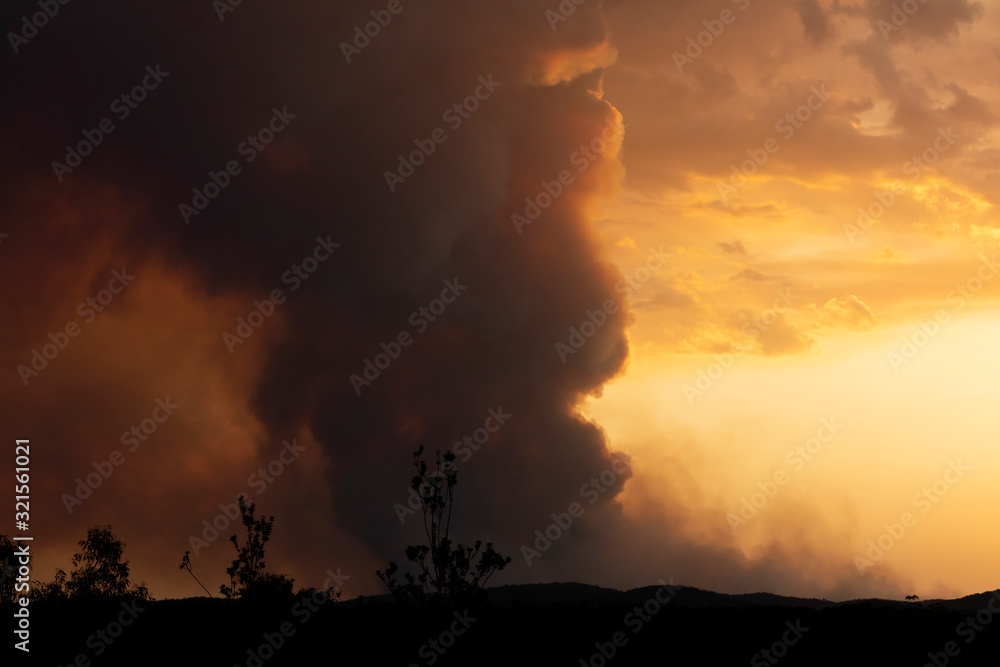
x=779 y=649
x=562 y=12
x=915 y=167
x=33 y=22
x=122 y=106
x=550 y=191
x=562 y=522
x=88 y=310
x=708 y=376
x=787 y=126
x=796 y=458
x=595 y=319
x=248 y=149
x=259 y=482
x=133 y=438
x=901 y=14
x=455 y=116
x=420 y=320
x=294 y=277
x=923 y=501
x=223 y=7
x=968 y=629
x=696 y=44
x=958 y=297
x=463 y=450
x=635 y=620
x=17 y=567
x=364 y=34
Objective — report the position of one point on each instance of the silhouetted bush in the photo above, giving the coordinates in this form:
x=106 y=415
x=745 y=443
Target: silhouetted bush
x=449 y=575
x=8 y=569
x=51 y=591
x=247 y=576
x=98 y=572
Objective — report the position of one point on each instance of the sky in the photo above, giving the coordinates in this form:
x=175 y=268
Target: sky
x=714 y=277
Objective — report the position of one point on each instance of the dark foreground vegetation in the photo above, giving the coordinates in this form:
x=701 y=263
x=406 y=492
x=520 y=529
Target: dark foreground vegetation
x=524 y=625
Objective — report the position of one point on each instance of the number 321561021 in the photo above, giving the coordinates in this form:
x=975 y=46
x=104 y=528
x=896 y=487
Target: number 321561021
x=22 y=460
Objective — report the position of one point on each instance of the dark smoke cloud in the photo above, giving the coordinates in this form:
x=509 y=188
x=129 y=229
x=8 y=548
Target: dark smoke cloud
x=323 y=177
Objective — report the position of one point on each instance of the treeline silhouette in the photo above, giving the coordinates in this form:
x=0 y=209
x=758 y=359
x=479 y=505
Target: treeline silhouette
x=446 y=573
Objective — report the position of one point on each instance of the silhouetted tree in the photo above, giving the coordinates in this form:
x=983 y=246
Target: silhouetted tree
x=448 y=574
x=8 y=569
x=99 y=571
x=51 y=591
x=247 y=575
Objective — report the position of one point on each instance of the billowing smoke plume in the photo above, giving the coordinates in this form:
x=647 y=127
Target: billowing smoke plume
x=353 y=230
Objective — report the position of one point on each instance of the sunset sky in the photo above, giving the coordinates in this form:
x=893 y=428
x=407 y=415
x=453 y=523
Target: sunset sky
x=748 y=248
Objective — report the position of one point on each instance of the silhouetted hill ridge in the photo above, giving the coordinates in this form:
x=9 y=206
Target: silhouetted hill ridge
x=684 y=596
